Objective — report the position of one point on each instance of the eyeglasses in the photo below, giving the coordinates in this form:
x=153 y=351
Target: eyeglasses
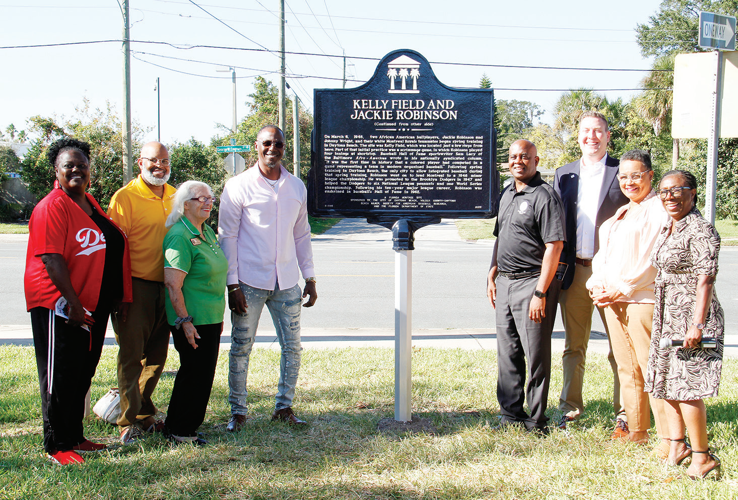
x=157 y=161
x=635 y=176
x=523 y=157
x=203 y=199
x=675 y=192
x=276 y=144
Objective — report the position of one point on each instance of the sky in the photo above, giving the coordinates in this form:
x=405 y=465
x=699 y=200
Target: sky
x=195 y=40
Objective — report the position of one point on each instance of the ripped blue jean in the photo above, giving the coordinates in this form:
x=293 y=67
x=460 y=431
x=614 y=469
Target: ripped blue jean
x=284 y=307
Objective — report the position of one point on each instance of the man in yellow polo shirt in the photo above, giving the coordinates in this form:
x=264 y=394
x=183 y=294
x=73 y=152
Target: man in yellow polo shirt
x=140 y=209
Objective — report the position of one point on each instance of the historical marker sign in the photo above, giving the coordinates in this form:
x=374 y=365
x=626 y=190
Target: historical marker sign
x=717 y=31
x=404 y=146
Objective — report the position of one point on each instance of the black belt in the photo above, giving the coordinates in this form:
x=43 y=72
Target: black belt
x=517 y=276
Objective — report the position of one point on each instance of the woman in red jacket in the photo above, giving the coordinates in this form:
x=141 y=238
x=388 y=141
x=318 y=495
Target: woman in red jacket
x=77 y=271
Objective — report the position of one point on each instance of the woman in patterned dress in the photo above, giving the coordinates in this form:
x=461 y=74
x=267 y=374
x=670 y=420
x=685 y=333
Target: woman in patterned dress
x=686 y=257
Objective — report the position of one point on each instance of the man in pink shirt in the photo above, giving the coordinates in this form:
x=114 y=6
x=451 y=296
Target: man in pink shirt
x=265 y=235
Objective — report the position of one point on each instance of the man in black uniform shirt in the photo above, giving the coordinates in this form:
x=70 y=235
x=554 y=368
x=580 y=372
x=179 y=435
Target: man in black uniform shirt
x=523 y=286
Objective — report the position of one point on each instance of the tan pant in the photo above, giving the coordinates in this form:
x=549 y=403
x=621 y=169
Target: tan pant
x=630 y=331
x=144 y=344
x=576 y=313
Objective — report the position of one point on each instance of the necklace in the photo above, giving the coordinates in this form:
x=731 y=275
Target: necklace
x=271 y=184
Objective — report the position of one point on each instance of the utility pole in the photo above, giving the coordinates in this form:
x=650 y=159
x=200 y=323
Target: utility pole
x=296 y=136
x=282 y=110
x=158 y=110
x=127 y=156
x=233 y=78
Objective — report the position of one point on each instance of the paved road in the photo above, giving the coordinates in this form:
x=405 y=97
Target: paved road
x=355 y=267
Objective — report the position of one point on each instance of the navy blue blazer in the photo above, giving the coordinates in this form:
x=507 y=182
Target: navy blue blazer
x=566 y=184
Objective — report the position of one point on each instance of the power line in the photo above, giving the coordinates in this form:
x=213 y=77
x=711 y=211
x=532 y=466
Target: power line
x=448 y=23
x=321 y=26
x=363 y=58
x=332 y=26
x=310 y=36
x=227 y=26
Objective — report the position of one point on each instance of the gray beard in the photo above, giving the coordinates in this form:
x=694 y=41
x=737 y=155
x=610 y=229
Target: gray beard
x=154 y=181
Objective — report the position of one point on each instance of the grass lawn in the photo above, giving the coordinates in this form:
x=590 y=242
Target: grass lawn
x=481 y=229
x=317 y=226
x=343 y=394
x=13 y=228
x=320 y=226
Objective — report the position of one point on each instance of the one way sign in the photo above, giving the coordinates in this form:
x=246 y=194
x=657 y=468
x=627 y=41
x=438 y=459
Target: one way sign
x=717 y=31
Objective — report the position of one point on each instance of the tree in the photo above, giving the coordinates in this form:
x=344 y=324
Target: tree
x=264 y=110
x=675 y=27
x=9 y=162
x=193 y=160
x=101 y=129
x=485 y=82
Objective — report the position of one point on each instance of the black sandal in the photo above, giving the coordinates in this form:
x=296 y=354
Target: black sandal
x=716 y=467
x=685 y=455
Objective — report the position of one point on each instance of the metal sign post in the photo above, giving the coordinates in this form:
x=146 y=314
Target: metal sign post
x=713 y=141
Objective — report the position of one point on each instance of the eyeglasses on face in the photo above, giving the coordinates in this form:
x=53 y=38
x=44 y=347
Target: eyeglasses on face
x=276 y=144
x=635 y=176
x=157 y=161
x=203 y=199
x=675 y=192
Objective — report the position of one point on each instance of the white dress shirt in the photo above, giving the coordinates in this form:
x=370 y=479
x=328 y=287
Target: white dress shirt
x=264 y=231
x=626 y=242
x=588 y=198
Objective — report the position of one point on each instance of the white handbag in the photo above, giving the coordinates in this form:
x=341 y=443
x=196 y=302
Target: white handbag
x=108 y=408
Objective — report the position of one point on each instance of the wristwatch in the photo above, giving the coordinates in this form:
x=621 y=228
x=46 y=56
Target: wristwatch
x=178 y=322
x=700 y=326
x=310 y=280
x=540 y=294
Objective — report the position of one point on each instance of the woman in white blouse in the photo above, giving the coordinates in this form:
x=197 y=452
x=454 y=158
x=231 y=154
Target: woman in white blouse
x=622 y=283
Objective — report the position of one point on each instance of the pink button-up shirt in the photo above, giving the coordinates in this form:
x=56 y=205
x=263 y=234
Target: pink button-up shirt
x=264 y=232
x=626 y=242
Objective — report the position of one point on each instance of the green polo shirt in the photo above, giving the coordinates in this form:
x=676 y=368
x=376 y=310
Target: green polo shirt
x=206 y=267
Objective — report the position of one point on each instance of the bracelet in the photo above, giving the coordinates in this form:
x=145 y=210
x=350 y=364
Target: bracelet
x=310 y=280
x=231 y=290
x=178 y=322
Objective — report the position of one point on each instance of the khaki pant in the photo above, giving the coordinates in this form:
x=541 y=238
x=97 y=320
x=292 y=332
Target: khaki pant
x=144 y=344
x=630 y=332
x=576 y=313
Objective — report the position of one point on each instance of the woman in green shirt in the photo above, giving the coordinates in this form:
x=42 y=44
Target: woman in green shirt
x=195 y=279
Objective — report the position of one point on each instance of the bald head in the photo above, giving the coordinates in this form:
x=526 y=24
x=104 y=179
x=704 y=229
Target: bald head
x=523 y=158
x=154 y=164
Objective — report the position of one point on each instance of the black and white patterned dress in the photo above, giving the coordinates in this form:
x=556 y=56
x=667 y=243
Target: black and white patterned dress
x=679 y=374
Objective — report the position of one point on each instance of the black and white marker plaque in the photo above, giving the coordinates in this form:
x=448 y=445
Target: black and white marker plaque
x=404 y=146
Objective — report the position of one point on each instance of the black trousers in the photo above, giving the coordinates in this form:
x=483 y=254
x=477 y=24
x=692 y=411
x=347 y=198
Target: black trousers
x=66 y=358
x=519 y=339
x=194 y=381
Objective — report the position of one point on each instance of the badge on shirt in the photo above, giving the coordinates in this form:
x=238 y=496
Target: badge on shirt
x=196 y=241
x=523 y=208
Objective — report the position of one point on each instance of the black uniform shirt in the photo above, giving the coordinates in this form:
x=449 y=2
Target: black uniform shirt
x=526 y=221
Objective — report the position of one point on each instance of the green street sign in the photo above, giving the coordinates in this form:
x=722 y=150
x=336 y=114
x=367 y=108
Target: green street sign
x=233 y=149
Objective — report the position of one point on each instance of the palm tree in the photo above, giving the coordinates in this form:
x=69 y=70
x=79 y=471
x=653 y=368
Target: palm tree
x=414 y=74
x=656 y=102
x=403 y=74
x=392 y=73
x=571 y=105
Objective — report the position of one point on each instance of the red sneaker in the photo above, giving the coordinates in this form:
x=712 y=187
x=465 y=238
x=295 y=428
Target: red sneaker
x=88 y=446
x=66 y=458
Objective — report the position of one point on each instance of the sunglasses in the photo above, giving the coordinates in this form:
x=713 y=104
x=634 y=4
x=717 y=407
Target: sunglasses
x=276 y=144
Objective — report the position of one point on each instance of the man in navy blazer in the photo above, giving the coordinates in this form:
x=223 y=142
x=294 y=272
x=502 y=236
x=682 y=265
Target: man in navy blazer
x=591 y=194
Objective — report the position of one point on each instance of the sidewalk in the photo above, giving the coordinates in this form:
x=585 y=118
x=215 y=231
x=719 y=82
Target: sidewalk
x=332 y=338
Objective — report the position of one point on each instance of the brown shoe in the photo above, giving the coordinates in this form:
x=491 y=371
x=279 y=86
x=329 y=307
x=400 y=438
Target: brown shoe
x=235 y=423
x=287 y=415
x=621 y=430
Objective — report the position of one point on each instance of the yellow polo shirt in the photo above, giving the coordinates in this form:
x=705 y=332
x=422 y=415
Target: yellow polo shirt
x=141 y=215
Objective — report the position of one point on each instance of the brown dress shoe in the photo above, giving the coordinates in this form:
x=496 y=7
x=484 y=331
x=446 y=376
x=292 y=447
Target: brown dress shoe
x=235 y=423
x=287 y=415
x=620 y=431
